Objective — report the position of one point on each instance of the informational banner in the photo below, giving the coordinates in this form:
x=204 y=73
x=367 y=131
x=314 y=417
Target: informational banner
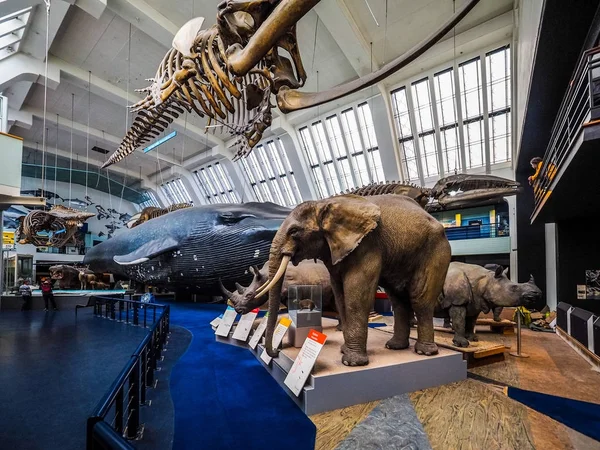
x=305 y=361
x=226 y=322
x=258 y=333
x=278 y=335
x=216 y=321
x=244 y=326
x=8 y=238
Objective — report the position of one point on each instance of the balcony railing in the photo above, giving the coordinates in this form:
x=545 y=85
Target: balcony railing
x=573 y=114
x=491 y=230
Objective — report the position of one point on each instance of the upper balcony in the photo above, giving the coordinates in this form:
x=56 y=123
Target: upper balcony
x=567 y=185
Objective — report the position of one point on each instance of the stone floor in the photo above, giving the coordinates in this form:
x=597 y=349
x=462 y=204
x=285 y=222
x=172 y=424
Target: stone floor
x=474 y=415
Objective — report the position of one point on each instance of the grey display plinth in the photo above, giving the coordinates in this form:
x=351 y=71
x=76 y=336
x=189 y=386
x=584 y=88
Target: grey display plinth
x=333 y=385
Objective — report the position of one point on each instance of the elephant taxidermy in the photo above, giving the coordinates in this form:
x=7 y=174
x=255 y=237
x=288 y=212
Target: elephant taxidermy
x=387 y=241
x=229 y=72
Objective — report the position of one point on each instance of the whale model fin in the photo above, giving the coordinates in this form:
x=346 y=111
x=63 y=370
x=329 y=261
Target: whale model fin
x=146 y=251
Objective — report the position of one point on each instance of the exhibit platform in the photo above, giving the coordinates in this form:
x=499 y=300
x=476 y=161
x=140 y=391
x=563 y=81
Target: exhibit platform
x=332 y=385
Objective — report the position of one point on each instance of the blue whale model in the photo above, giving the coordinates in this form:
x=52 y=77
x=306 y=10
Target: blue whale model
x=191 y=249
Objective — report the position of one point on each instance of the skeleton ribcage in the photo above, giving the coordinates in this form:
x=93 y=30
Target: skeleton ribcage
x=213 y=93
x=37 y=221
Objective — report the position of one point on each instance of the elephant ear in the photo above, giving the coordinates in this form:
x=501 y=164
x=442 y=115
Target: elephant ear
x=345 y=221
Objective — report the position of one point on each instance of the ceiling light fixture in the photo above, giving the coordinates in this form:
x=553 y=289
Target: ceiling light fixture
x=160 y=142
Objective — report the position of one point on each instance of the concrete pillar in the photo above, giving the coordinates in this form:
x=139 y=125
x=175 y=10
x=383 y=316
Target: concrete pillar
x=551 y=269
x=512 y=226
x=299 y=166
x=239 y=180
x=385 y=140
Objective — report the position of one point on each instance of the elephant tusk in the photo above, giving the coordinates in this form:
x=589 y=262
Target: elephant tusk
x=280 y=272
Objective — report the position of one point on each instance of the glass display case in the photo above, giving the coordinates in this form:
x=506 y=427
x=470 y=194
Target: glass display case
x=305 y=307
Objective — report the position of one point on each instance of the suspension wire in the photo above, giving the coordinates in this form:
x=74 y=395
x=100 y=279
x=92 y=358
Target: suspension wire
x=47 y=2
x=385 y=33
x=87 y=155
x=315 y=45
x=71 y=159
x=184 y=134
x=56 y=160
x=128 y=80
x=458 y=149
x=373 y=171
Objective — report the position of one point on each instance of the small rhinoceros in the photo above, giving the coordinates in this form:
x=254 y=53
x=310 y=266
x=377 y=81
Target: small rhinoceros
x=470 y=289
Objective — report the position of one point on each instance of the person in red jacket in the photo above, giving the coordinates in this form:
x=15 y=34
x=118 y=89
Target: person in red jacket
x=47 y=294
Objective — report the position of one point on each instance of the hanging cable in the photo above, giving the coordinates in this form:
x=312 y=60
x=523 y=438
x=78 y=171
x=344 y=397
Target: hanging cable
x=87 y=154
x=315 y=45
x=71 y=159
x=128 y=80
x=458 y=149
x=56 y=159
x=372 y=14
x=47 y=2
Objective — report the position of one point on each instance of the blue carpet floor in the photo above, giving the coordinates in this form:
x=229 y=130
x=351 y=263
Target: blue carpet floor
x=54 y=369
x=225 y=399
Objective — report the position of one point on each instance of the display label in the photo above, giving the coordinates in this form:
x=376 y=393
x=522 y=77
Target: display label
x=305 y=361
x=226 y=322
x=278 y=335
x=216 y=321
x=258 y=333
x=244 y=326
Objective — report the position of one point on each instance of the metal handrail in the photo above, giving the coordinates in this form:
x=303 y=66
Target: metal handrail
x=573 y=113
x=477 y=231
x=137 y=375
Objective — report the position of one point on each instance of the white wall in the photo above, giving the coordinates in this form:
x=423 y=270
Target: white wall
x=529 y=14
x=95 y=226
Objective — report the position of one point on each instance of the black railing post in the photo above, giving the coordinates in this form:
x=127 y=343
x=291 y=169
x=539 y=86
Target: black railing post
x=136 y=314
x=127 y=312
x=89 y=435
x=144 y=377
x=119 y=411
x=112 y=310
x=133 y=413
x=145 y=310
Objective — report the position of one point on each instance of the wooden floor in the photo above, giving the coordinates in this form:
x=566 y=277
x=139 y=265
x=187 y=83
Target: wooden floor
x=474 y=415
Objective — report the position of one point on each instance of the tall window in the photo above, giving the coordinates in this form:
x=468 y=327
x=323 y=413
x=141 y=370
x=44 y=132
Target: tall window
x=498 y=94
x=342 y=151
x=270 y=174
x=176 y=192
x=434 y=111
x=472 y=112
x=405 y=134
x=149 y=200
x=216 y=185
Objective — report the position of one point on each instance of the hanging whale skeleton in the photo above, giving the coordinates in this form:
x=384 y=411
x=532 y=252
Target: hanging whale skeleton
x=228 y=72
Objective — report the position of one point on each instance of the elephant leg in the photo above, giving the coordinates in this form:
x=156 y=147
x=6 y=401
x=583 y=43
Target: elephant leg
x=497 y=312
x=338 y=296
x=403 y=314
x=360 y=285
x=470 y=329
x=458 y=314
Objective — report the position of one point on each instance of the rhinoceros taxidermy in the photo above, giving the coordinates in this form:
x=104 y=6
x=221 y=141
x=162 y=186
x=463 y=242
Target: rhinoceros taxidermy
x=470 y=289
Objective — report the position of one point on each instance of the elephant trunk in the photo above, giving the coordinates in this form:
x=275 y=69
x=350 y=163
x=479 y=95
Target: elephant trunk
x=277 y=265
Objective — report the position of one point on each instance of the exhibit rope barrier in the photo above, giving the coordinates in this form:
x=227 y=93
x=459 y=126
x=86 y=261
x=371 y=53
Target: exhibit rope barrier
x=518 y=353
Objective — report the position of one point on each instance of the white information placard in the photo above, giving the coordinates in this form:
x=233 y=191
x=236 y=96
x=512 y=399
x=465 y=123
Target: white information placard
x=216 y=321
x=278 y=335
x=244 y=326
x=300 y=371
x=258 y=333
x=226 y=322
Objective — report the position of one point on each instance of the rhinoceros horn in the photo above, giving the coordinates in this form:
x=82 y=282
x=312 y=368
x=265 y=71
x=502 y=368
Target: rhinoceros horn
x=531 y=279
x=239 y=288
x=227 y=293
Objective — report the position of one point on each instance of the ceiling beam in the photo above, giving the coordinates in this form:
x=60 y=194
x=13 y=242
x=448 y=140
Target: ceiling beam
x=82 y=130
x=92 y=162
x=338 y=20
x=79 y=77
x=145 y=18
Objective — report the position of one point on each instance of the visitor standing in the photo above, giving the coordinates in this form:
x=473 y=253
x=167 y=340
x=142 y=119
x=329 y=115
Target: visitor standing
x=25 y=291
x=47 y=294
